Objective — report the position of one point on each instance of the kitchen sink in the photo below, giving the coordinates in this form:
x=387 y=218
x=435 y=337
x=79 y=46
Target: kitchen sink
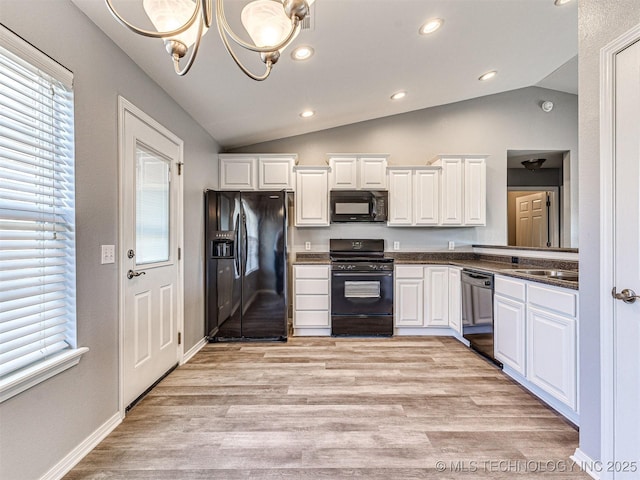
x=569 y=275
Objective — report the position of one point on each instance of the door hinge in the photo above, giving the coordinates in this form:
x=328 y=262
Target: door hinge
x=179 y=338
x=548 y=203
x=180 y=164
x=179 y=253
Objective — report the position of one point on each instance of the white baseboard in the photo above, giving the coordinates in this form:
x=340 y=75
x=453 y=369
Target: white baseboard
x=193 y=350
x=424 y=331
x=587 y=464
x=74 y=456
x=311 y=332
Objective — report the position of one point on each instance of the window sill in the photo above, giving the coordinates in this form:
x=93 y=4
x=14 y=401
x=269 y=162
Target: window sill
x=31 y=376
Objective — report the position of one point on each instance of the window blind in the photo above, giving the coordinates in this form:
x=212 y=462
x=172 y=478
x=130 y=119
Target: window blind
x=37 y=211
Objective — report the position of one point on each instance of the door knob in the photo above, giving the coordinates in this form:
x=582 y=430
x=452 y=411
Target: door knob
x=133 y=273
x=627 y=295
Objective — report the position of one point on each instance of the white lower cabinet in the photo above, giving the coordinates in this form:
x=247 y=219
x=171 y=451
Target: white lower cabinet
x=421 y=296
x=409 y=296
x=535 y=337
x=455 y=299
x=551 y=354
x=311 y=301
x=437 y=296
x=509 y=333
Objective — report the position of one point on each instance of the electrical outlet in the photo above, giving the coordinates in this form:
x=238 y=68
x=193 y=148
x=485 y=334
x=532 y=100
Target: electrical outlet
x=452 y=245
x=307 y=245
x=108 y=254
x=396 y=245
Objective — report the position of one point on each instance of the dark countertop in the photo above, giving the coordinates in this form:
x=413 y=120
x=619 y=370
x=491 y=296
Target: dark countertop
x=533 y=249
x=485 y=263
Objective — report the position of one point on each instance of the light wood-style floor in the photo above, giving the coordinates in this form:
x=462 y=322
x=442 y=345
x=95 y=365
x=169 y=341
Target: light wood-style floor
x=326 y=408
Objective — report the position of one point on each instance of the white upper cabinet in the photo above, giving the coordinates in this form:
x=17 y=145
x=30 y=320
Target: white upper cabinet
x=463 y=196
x=256 y=172
x=276 y=172
x=344 y=173
x=426 y=190
x=237 y=172
x=358 y=172
x=414 y=194
x=373 y=173
x=400 y=197
x=475 y=191
x=452 y=194
x=312 y=196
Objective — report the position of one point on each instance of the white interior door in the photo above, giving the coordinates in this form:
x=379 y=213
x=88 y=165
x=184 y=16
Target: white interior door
x=626 y=260
x=151 y=230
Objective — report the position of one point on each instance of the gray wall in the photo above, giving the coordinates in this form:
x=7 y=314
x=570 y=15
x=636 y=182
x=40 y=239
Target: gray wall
x=488 y=125
x=599 y=22
x=43 y=424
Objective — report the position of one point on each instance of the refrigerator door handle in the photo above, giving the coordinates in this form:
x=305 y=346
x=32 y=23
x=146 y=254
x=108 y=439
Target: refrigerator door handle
x=246 y=242
x=236 y=254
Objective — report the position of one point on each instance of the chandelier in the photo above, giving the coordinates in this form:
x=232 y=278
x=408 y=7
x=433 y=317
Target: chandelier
x=271 y=24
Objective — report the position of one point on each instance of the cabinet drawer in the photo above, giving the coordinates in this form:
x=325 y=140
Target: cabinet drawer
x=557 y=300
x=311 y=287
x=307 y=271
x=409 y=271
x=312 y=302
x=311 y=319
x=510 y=288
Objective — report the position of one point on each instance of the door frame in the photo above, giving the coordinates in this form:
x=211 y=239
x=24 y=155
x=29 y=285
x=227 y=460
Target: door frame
x=124 y=107
x=607 y=239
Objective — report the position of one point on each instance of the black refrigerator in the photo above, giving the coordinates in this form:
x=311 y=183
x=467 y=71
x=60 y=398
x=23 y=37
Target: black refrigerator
x=245 y=251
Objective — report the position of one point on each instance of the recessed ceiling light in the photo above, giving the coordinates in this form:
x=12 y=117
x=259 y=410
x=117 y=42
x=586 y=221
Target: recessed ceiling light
x=399 y=95
x=559 y=3
x=430 y=26
x=302 y=53
x=488 y=75
x=307 y=114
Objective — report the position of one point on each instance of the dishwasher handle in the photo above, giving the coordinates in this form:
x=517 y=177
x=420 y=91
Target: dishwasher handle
x=477 y=279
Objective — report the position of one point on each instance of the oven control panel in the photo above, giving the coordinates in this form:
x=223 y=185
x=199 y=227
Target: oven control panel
x=362 y=267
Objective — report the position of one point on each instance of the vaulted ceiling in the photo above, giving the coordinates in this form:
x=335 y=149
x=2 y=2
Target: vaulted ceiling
x=365 y=50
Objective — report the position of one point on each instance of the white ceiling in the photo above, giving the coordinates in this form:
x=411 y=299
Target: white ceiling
x=365 y=50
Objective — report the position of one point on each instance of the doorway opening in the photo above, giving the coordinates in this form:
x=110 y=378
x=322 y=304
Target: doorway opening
x=536 y=193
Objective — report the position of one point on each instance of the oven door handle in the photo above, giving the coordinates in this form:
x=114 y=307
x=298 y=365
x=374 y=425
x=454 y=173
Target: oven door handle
x=361 y=274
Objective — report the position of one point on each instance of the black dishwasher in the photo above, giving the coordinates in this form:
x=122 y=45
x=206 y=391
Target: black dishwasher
x=477 y=311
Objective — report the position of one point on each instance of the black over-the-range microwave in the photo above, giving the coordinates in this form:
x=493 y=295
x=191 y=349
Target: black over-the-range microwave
x=358 y=205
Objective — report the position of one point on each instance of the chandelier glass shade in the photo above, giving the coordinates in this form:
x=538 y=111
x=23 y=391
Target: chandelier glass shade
x=271 y=24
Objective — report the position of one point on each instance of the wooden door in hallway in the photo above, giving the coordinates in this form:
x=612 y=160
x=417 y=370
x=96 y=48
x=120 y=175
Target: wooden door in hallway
x=532 y=227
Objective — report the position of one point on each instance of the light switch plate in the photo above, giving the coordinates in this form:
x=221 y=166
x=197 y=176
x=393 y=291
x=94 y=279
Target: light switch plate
x=108 y=254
